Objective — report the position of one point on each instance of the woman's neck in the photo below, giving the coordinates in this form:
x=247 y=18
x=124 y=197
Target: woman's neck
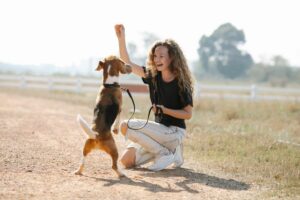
x=167 y=76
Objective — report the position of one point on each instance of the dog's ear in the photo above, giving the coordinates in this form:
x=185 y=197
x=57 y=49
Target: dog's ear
x=100 y=66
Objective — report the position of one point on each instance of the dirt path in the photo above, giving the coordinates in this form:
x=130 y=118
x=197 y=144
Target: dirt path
x=41 y=145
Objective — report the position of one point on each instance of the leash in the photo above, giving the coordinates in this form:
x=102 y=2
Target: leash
x=158 y=113
x=149 y=112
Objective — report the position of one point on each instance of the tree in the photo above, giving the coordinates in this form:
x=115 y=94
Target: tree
x=221 y=51
x=280 y=61
x=138 y=53
x=132 y=48
x=149 y=39
x=276 y=72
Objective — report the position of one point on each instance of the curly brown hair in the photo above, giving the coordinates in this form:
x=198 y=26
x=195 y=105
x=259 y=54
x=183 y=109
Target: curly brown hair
x=178 y=65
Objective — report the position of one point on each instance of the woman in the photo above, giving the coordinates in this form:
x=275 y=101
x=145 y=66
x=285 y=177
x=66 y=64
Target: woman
x=171 y=89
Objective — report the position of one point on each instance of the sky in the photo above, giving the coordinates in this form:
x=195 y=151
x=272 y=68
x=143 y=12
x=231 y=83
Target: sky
x=65 y=32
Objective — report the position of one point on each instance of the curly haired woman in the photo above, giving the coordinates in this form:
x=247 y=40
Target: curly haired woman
x=171 y=93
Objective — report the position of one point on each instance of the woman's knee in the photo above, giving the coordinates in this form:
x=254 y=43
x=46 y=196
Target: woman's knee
x=124 y=127
x=128 y=158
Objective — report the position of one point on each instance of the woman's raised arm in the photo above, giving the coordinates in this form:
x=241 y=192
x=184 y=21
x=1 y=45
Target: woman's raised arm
x=120 y=32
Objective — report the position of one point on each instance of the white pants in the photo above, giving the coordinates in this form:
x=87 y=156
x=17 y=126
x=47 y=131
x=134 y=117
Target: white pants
x=154 y=138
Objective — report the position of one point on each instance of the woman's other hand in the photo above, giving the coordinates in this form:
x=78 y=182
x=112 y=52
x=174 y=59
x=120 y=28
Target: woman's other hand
x=155 y=107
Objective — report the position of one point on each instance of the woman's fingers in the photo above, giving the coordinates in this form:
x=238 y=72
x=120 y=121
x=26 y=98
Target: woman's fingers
x=155 y=107
x=119 y=29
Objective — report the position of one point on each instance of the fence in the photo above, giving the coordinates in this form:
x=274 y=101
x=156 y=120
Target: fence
x=251 y=92
x=63 y=83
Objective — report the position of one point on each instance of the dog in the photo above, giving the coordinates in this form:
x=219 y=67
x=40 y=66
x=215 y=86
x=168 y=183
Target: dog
x=106 y=113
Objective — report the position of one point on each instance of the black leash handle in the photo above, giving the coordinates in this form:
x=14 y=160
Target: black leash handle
x=149 y=112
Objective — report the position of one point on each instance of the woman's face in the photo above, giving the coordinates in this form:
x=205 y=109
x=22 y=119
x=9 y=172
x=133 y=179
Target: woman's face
x=161 y=58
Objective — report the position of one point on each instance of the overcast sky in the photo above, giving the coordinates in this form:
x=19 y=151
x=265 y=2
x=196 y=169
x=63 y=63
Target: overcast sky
x=64 y=32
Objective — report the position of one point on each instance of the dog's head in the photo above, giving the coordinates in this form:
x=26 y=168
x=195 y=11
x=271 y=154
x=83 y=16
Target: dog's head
x=112 y=66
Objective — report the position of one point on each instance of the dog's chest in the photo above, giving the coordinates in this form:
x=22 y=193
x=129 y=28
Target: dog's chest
x=107 y=108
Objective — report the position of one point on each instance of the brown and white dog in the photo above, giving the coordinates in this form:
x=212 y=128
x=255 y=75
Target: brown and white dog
x=106 y=113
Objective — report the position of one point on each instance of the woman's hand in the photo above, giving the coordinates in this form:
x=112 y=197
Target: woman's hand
x=120 y=30
x=158 y=106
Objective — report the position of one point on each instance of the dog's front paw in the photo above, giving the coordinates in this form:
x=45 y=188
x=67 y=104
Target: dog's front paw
x=115 y=130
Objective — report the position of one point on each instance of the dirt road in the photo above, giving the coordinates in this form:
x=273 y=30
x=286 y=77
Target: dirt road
x=41 y=146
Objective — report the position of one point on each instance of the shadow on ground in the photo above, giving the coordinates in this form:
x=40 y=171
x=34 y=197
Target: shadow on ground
x=190 y=177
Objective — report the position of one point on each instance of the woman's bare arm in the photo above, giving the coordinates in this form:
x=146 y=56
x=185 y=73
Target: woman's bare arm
x=120 y=32
x=185 y=113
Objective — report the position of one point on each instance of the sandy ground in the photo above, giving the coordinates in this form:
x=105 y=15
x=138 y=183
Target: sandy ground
x=41 y=148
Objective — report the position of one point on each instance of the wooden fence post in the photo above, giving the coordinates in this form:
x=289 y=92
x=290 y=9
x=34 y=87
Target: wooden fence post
x=50 y=83
x=253 y=92
x=78 y=85
x=23 y=83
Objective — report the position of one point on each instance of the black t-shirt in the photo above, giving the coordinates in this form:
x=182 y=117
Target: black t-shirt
x=168 y=95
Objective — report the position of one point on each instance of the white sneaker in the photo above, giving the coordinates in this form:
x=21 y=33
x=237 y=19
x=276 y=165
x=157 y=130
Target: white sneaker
x=178 y=156
x=161 y=162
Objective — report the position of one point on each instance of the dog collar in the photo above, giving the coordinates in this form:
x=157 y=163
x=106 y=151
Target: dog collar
x=114 y=85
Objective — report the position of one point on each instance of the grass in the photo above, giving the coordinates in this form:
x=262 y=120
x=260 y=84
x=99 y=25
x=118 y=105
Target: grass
x=242 y=138
x=238 y=138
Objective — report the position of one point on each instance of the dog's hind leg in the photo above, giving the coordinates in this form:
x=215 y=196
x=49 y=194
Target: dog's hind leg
x=109 y=147
x=88 y=146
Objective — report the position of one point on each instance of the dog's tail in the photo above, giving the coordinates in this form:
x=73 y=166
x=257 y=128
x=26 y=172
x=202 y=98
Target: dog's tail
x=86 y=128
